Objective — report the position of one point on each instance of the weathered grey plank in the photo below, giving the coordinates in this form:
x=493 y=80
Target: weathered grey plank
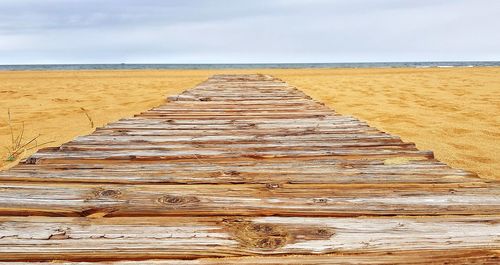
x=201 y=171
x=261 y=200
x=432 y=257
x=179 y=237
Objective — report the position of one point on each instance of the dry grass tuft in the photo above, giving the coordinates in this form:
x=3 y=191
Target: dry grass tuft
x=19 y=144
x=91 y=121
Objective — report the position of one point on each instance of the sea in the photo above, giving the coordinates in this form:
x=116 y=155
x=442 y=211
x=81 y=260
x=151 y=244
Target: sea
x=126 y=66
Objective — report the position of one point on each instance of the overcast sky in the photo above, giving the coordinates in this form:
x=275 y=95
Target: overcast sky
x=247 y=31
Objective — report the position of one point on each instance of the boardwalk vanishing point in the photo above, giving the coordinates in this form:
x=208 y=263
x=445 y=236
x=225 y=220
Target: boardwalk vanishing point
x=244 y=169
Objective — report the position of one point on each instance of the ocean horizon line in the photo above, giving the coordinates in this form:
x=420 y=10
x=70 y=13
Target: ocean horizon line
x=195 y=66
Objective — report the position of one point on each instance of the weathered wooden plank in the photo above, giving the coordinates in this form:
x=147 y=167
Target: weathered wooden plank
x=312 y=122
x=180 y=237
x=233 y=99
x=234 y=123
x=218 y=171
x=431 y=257
x=246 y=200
x=239 y=147
x=244 y=130
x=271 y=127
x=268 y=103
x=234 y=116
x=234 y=108
x=311 y=136
x=51 y=156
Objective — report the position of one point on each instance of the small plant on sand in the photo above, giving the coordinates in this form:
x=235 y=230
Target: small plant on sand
x=88 y=117
x=19 y=144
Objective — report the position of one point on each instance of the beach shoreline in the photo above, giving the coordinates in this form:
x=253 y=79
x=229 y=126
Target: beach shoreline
x=448 y=110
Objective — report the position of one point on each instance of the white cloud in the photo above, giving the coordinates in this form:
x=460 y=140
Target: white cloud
x=218 y=31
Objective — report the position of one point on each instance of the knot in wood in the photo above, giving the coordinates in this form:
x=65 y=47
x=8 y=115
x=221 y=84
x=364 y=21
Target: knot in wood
x=260 y=236
x=263 y=229
x=324 y=232
x=177 y=201
x=31 y=161
x=231 y=221
x=270 y=242
x=272 y=186
x=320 y=200
x=231 y=173
x=106 y=193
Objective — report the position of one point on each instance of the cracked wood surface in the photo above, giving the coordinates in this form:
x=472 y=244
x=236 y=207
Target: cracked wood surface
x=469 y=256
x=244 y=170
x=177 y=237
x=245 y=200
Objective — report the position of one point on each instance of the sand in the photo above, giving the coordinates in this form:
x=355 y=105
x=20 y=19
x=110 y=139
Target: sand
x=452 y=111
x=50 y=103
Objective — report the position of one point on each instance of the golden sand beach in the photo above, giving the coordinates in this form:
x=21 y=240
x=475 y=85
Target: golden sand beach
x=452 y=111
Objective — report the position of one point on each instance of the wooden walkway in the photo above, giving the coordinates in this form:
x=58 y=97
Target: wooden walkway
x=244 y=169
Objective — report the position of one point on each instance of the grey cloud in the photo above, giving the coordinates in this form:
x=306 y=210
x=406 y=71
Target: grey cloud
x=217 y=31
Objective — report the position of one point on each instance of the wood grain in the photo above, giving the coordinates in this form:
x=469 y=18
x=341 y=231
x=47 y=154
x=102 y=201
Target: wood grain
x=244 y=169
x=262 y=200
x=180 y=237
